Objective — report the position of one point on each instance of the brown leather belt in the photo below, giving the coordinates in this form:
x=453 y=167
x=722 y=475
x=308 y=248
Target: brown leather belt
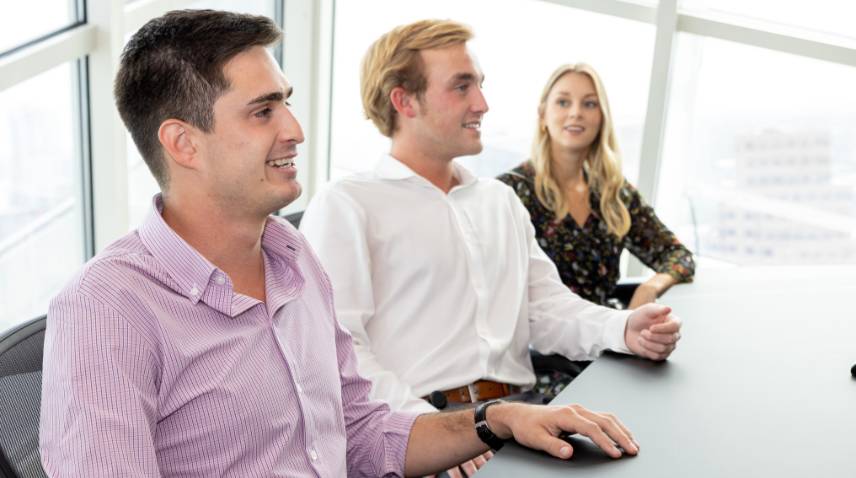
x=479 y=391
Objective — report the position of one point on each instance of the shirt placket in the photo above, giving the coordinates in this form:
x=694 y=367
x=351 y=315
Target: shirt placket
x=477 y=274
x=310 y=443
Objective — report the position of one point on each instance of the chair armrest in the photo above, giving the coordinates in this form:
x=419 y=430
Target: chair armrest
x=624 y=291
x=544 y=364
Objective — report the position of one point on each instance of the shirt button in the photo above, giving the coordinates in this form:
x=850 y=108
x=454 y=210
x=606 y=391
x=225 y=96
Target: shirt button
x=194 y=291
x=220 y=280
x=313 y=454
x=298 y=388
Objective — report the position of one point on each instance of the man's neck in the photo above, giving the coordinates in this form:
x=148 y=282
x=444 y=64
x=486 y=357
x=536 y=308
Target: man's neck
x=230 y=242
x=438 y=171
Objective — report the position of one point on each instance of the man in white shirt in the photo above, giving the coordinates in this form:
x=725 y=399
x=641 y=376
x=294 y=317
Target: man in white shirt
x=437 y=273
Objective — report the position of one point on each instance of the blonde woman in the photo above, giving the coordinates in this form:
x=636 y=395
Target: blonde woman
x=584 y=211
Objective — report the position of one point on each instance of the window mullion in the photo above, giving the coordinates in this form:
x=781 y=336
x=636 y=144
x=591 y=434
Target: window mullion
x=109 y=164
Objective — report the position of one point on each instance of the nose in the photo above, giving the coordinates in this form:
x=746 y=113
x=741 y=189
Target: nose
x=575 y=110
x=289 y=128
x=480 y=105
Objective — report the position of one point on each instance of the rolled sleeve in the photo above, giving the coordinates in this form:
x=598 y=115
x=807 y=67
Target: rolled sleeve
x=377 y=436
x=396 y=433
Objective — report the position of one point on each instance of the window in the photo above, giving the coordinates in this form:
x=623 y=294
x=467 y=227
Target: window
x=832 y=19
x=41 y=206
x=517 y=45
x=23 y=22
x=775 y=143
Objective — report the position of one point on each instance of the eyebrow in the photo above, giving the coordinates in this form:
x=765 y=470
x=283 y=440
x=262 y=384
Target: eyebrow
x=465 y=77
x=565 y=93
x=276 y=96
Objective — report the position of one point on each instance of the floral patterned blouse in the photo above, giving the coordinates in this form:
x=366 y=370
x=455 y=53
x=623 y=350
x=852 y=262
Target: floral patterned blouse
x=587 y=257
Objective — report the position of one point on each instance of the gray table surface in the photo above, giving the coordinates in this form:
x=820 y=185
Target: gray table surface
x=759 y=386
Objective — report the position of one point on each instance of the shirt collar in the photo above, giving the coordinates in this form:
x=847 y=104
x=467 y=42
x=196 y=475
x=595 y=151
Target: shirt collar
x=390 y=168
x=189 y=269
x=184 y=264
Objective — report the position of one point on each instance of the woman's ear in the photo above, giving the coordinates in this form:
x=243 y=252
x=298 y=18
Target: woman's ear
x=542 y=125
x=176 y=138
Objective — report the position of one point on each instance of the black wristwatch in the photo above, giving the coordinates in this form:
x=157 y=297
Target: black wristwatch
x=484 y=432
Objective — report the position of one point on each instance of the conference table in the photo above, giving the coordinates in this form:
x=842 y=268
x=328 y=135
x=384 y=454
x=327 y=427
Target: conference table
x=760 y=385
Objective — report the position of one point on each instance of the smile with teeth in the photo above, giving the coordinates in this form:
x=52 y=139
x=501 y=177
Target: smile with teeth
x=574 y=129
x=281 y=163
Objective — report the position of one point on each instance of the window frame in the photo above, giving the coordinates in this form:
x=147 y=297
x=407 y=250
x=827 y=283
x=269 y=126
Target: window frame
x=95 y=42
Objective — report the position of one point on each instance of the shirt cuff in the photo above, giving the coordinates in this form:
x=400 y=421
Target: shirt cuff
x=613 y=333
x=397 y=433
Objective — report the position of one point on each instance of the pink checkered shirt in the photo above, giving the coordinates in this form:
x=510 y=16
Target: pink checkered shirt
x=154 y=366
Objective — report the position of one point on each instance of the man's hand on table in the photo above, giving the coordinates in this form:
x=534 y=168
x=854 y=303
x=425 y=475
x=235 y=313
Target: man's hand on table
x=539 y=427
x=652 y=331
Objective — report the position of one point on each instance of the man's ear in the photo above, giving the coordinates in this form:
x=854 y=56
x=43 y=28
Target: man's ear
x=176 y=138
x=405 y=103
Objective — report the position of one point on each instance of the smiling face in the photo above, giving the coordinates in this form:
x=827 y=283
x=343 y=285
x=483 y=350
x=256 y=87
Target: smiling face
x=248 y=159
x=572 y=113
x=449 y=112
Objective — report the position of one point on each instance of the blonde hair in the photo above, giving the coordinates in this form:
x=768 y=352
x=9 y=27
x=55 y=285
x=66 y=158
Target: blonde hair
x=394 y=60
x=602 y=164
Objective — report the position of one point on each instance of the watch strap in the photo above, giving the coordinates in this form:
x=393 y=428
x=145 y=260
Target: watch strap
x=483 y=430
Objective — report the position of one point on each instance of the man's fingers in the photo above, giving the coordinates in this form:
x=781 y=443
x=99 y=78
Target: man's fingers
x=655 y=351
x=479 y=461
x=557 y=447
x=599 y=437
x=666 y=339
x=654 y=347
x=469 y=468
x=615 y=430
x=455 y=473
x=657 y=312
x=576 y=419
x=670 y=326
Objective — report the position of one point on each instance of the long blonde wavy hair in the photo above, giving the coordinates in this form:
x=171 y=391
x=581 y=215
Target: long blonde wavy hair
x=602 y=164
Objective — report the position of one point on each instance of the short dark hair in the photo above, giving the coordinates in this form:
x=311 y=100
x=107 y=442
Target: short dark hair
x=173 y=68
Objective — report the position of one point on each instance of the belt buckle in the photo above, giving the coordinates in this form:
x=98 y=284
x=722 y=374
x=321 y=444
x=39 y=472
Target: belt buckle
x=474 y=392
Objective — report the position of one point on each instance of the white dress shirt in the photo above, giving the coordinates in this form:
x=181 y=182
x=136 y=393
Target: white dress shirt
x=440 y=290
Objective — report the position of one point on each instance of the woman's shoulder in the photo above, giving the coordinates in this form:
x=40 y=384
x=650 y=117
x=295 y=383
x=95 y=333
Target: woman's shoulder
x=628 y=193
x=522 y=174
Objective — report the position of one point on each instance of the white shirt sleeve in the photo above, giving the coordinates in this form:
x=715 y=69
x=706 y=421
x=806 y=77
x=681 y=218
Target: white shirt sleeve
x=559 y=320
x=335 y=227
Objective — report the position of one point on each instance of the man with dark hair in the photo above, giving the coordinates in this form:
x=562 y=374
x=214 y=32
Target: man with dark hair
x=205 y=343
x=173 y=69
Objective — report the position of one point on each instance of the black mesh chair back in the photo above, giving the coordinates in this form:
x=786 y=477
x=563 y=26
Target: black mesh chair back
x=20 y=399
x=294 y=218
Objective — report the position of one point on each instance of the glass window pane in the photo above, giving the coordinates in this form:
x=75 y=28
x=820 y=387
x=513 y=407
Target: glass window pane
x=827 y=17
x=141 y=184
x=22 y=22
x=518 y=45
x=759 y=164
x=41 y=216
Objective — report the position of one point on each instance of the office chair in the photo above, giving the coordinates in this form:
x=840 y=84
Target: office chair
x=20 y=399
x=555 y=371
x=294 y=218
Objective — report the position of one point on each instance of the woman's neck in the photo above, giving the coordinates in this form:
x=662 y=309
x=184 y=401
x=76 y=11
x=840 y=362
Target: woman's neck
x=567 y=166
